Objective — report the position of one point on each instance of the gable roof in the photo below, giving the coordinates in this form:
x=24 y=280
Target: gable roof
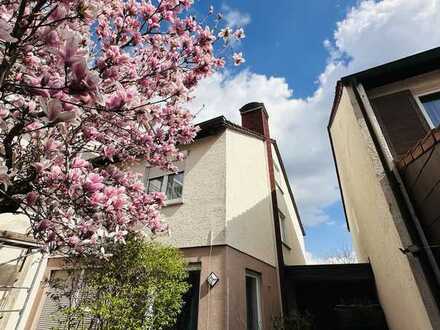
x=388 y=73
x=397 y=70
x=218 y=124
x=384 y=74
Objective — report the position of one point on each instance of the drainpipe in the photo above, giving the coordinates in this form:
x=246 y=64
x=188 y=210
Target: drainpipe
x=394 y=178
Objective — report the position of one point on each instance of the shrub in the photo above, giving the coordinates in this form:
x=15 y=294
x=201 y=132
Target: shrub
x=294 y=321
x=140 y=286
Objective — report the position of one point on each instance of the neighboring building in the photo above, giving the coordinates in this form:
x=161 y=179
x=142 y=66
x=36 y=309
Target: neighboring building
x=20 y=277
x=385 y=144
x=231 y=211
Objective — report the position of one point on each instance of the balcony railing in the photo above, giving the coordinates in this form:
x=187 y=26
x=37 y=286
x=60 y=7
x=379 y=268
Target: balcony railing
x=420 y=171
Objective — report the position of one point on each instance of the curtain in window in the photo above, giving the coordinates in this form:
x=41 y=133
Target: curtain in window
x=155 y=185
x=174 y=186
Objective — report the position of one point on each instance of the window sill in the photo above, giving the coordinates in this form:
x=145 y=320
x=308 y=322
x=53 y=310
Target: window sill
x=172 y=202
x=286 y=246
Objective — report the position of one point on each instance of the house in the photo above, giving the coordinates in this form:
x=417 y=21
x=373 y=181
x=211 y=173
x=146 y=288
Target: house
x=384 y=136
x=231 y=212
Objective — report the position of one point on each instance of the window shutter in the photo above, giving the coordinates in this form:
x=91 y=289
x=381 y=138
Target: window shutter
x=49 y=317
x=401 y=120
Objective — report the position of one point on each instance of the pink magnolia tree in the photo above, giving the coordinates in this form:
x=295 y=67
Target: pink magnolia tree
x=85 y=84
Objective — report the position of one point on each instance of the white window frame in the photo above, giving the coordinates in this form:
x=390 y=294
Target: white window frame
x=422 y=107
x=257 y=277
x=164 y=186
x=283 y=231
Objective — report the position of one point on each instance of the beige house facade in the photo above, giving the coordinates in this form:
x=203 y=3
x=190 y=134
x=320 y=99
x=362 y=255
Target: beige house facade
x=231 y=212
x=383 y=130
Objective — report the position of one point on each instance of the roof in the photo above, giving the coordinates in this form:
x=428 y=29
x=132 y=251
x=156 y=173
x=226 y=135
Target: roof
x=219 y=124
x=384 y=74
x=9 y=238
x=430 y=141
x=400 y=69
x=388 y=73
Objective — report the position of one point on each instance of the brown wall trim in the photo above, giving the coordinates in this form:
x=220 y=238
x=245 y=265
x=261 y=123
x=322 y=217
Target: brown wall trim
x=341 y=190
x=336 y=100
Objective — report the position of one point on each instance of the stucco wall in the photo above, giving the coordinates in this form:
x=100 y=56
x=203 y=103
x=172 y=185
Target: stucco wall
x=200 y=218
x=372 y=215
x=224 y=305
x=293 y=248
x=227 y=200
x=249 y=218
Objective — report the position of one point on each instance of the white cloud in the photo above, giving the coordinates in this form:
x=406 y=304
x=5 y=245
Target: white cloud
x=372 y=33
x=234 y=18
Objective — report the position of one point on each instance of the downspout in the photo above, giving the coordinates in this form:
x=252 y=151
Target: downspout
x=278 y=243
x=397 y=185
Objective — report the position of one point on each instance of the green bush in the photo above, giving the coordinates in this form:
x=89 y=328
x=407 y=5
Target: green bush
x=139 y=287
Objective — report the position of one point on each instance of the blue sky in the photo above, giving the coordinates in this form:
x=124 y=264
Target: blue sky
x=271 y=48
x=295 y=52
x=274 y=33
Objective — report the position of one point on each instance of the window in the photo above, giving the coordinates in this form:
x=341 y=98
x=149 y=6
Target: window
x=155 y=184
x=253 y=301
x=170 y=184
x=431 y=105
x=283 y=230
x=174 y=186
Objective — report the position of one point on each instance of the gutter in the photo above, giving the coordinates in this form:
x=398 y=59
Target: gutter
x=336 y=101
x=277 y=229
x=292 y=198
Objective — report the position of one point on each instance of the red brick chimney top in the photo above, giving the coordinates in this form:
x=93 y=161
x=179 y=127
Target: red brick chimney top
x=255 y=118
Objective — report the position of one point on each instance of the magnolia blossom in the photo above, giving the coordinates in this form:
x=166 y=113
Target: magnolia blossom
x=88 y=85
x=238 y=58
x=239 y=34
x=225 y=33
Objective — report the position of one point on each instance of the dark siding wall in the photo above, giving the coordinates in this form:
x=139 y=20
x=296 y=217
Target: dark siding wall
x=422 y=180
x=401 y=121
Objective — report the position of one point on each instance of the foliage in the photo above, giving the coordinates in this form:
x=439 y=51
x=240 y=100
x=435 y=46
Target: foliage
x=87 y=83
x=294 y=321
x=345 y=255
x=139 y=287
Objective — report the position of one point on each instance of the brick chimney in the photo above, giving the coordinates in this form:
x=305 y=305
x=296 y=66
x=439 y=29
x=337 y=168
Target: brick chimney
x=255 y=118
